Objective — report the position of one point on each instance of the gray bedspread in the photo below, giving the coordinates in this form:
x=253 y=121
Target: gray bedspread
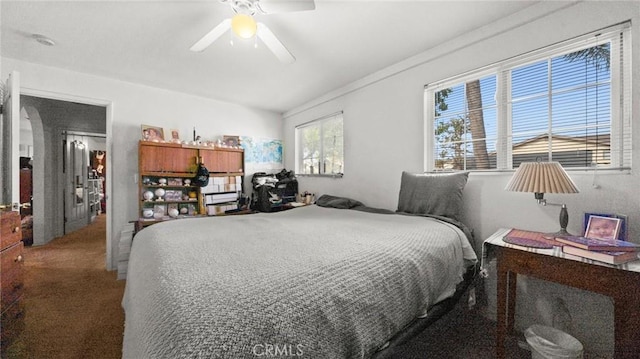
x=311 y=282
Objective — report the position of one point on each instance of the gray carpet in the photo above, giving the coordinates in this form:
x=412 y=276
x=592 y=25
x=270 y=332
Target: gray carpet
x=459 y=334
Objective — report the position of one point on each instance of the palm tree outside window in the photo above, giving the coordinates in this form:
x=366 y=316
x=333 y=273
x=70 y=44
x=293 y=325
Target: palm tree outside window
x=567 y=103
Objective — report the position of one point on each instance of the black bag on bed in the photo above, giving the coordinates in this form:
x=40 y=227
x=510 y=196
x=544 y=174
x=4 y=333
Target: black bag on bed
x=202 y=176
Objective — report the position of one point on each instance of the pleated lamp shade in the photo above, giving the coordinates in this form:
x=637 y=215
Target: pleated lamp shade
x=541 y=177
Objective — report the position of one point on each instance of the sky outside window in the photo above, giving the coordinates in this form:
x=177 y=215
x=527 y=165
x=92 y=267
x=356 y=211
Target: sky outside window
x=562 y=103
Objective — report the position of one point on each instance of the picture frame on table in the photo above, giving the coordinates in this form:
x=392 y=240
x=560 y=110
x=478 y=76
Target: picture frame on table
x=231 y=141
x=152 y=133
x=605 y=226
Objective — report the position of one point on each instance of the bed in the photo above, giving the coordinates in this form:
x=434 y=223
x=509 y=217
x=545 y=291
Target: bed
x=334 y=280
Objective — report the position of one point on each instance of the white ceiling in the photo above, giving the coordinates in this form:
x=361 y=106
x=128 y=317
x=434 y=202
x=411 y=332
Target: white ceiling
x=148 y=42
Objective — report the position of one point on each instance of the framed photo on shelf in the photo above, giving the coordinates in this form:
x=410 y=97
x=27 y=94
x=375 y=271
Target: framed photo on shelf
x=152 y=133
x=174 y=181
x=173 y=195
x=603 y=226
x=175 y=136
x=159 y=210
x=231 y=141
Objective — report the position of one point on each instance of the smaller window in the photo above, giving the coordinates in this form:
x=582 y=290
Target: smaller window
x=320 y=147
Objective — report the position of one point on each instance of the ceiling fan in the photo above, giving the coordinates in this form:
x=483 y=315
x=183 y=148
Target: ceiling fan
x=244 y=25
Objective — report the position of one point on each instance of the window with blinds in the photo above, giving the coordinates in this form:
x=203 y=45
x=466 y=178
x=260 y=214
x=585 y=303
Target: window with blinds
x=465 y=125
x=569 y=103
x=320 y=146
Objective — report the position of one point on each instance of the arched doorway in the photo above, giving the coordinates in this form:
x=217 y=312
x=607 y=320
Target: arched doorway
x=52 y=121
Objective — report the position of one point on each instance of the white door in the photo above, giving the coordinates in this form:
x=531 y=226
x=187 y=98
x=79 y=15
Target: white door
x=10 y=150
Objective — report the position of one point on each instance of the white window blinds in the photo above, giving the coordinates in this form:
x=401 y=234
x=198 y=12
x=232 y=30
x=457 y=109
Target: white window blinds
x=569 y=102
x=320 y=146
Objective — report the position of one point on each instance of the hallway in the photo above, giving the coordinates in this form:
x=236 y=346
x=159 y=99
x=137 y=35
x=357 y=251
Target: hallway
x=72 y=303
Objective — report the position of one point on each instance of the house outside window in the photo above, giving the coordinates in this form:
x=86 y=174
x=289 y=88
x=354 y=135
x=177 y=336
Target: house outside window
x=568 y=103
x=320 y=147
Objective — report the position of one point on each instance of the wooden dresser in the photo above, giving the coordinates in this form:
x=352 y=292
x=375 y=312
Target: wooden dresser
x=11 y=278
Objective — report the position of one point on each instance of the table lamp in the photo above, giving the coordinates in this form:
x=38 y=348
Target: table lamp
x=544 y=177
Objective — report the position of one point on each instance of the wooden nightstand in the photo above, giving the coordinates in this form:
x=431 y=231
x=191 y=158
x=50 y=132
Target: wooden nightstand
x=622 y=283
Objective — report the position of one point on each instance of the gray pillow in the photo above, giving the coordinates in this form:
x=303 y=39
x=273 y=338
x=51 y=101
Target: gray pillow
x=327 y=200
x=438 y=194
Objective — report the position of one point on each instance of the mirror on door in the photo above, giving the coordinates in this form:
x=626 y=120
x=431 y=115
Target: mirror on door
x=78 y=165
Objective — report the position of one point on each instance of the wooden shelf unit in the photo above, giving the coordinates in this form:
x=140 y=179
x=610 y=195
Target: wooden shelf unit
x=177 y=164
x=94 y=188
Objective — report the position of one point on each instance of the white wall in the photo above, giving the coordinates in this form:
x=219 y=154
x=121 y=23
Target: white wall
x=383 y=125
x=130 y=106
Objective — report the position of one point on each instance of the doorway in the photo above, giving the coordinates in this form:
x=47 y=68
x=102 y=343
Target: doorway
x=62 y=199
x=83 y=178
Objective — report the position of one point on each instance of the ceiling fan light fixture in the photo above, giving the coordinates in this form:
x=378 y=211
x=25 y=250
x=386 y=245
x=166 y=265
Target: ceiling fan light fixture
x=244 y=26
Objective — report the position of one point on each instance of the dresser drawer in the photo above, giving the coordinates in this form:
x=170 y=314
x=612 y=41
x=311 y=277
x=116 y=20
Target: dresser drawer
x=10 y=229
x=11 y=277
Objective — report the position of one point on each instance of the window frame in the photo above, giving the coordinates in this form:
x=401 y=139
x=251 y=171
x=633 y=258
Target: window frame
x=298 y=144
x=620 y=121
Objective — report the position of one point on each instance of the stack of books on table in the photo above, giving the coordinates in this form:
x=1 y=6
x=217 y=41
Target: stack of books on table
x=610 y=251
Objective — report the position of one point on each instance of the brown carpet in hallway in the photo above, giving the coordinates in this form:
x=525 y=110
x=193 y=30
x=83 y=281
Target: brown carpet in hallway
x=72 y=303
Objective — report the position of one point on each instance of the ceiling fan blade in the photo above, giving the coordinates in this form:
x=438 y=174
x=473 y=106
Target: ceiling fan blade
x=274 y=44
x=212 y=36
x=277 y=6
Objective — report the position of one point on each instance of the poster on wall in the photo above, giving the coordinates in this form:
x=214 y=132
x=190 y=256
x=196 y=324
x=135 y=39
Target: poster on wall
x=262 y=152
x=98 y=162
